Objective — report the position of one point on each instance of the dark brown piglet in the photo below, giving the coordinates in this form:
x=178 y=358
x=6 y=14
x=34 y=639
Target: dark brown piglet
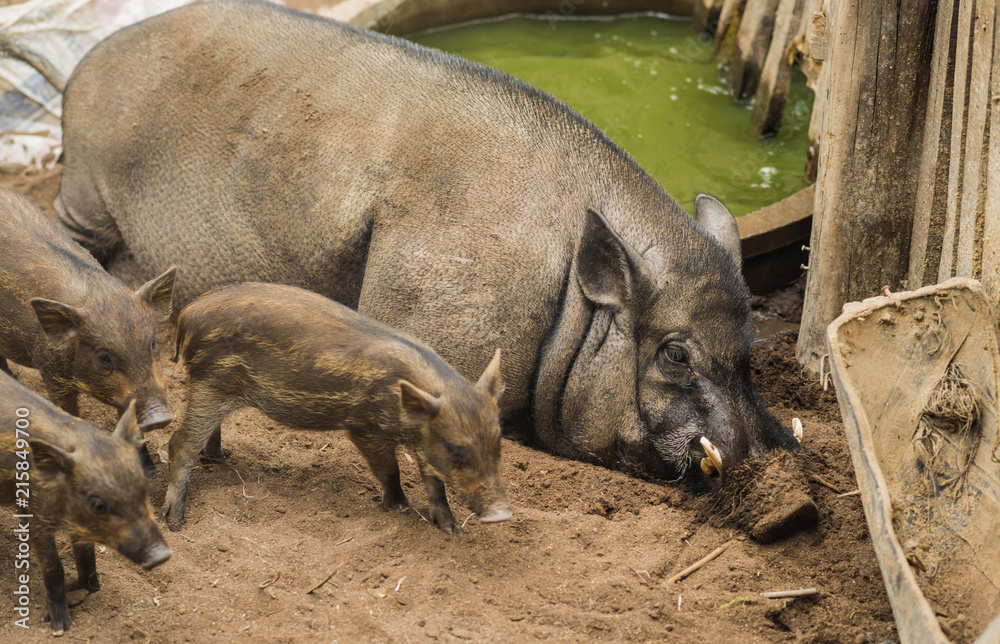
x=62 y=473
x=311 y=363
x=84 y=330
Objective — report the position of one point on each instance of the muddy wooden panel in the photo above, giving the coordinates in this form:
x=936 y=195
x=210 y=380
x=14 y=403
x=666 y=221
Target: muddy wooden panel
x=752 y=40
x=815 y=36
x=916 y=378
x=991 y=231
x=705 y=15
x=729 y=24
x=872 y=127
x=932 y=172
x=776 y=75
x=949 y=245
x=968 y=261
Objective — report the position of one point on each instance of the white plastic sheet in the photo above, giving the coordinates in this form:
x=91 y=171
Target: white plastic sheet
x=61 y=31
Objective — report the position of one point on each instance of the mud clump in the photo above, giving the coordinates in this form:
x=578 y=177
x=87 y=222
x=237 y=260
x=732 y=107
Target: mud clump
x=768 y=498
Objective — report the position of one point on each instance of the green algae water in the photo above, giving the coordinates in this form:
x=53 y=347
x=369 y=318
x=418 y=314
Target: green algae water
x=651 y=85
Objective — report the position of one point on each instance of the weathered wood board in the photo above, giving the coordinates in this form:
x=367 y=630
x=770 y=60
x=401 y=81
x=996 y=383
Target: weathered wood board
x=934 y=536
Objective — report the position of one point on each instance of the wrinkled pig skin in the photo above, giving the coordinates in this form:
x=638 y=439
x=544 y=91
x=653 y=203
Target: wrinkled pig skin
x=78 y=479
x=241 y=141
x=311 y=363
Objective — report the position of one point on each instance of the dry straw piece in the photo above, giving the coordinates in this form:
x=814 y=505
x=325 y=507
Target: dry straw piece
x=954 y=407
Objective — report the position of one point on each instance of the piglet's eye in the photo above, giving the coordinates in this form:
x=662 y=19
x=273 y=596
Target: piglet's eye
x=103 y=358
x=457 y=453
x=96 y=504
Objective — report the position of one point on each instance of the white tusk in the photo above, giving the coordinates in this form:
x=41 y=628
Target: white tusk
x=712 y=463
x=797 y=430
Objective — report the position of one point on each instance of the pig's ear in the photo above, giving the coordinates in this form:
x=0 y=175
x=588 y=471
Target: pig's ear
x=159 y=293
x=720 y=224
x=418 y=405
x=490 y=381
x=50 y=458
x=608 y=269
x=127 y=428
x=57 y=319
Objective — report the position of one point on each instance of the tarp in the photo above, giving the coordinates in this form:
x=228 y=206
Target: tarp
x=61 y=31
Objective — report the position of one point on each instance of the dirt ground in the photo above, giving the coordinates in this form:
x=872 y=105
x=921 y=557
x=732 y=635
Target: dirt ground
x=286 y=542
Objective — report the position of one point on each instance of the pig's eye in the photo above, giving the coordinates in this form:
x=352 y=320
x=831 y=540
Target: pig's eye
x=154 y=346
x=103 y=359
x=457 y=453
x=96 y=504
x=675 y=353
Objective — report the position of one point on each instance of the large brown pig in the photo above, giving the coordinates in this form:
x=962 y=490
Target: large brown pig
x=243 y=141
x=63 y=314
x=311 y=363
x=65 y=474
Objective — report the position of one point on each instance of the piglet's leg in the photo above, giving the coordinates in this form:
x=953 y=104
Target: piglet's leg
x=56 y=606
x=385 y=467
x=438 y=507
x=212 y=452
x=86 y=565
x=205 y=413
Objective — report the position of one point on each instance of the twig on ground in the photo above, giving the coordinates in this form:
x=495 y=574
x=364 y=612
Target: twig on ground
x=779 y=594
x=845 y=494
x=701 y=562
x=245 y=495
x=825 y=483
x=326 y=579
x=267 y=582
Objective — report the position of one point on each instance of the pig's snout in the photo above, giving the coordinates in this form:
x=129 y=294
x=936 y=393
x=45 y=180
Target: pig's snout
x=154 y=416
x=159 y=554
x=496 y=513
x=154 y=555
x=489 y=502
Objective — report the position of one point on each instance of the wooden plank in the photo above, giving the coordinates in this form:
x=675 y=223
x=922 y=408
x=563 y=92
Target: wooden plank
x=949 y=248
x=970 y=223
x=865 y=190
x=991 y=229
x=776 y=76
x=820 y=84
x=928 y=226
x=752 y=40
x=729 y=24
x=705 y=15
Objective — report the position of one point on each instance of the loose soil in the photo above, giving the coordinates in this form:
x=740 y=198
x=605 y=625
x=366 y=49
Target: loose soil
x=286 y=542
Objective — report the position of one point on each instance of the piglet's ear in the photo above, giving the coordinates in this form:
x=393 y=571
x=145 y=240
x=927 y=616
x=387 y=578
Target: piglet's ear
x=490 y=381
x=50 y=458
x=720 y=224
x=58 y=320
x=159 y=293
x=127 y=428
x=417 y=404
x=609 y=271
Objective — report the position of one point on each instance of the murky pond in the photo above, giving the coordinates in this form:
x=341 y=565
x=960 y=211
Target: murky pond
x=650 y=83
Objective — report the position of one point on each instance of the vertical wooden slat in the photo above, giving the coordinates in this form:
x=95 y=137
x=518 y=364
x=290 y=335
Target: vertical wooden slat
x=729 y=23
x=822 y=84
x=866 y=190
x=969 y=256
x=776 y=76
x=705 y=15
x=991 y=215
x=752 y=40
x=960 y=115
x=936 y=126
